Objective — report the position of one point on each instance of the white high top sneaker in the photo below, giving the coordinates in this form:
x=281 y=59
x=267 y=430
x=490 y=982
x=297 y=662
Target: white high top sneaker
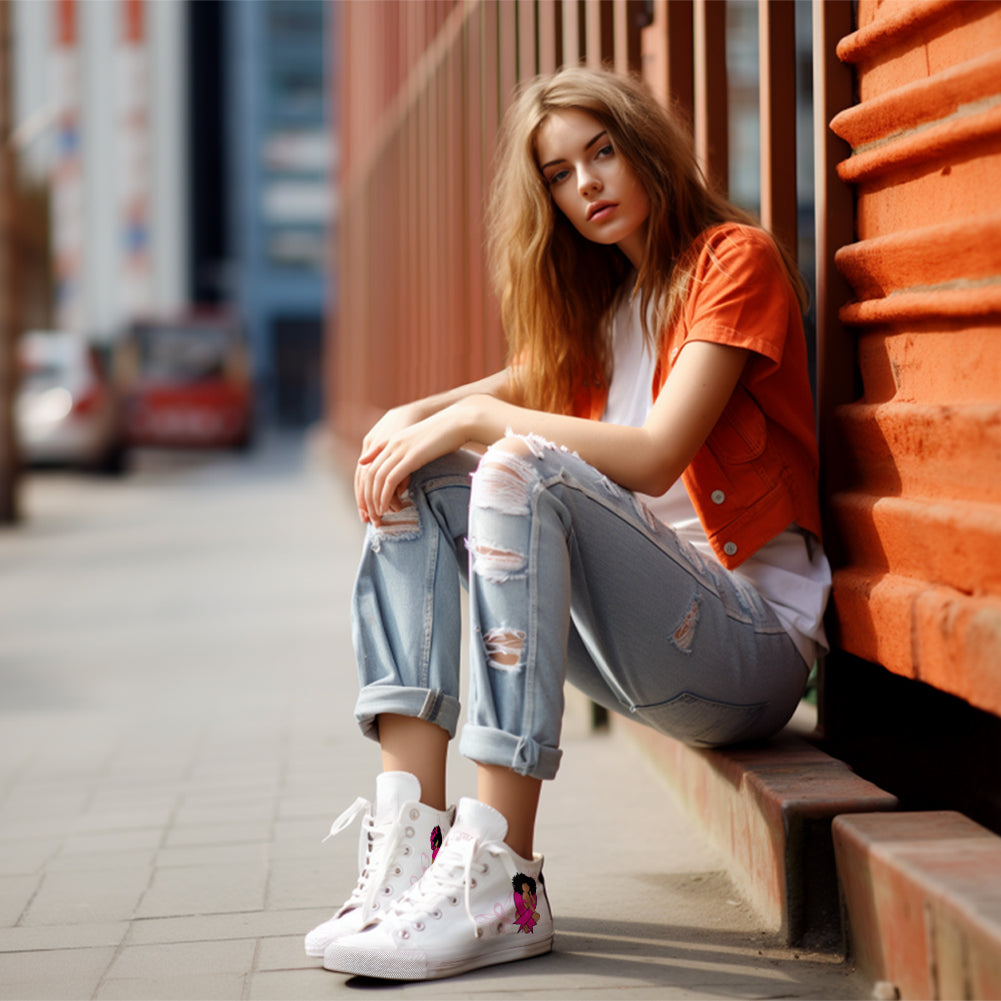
x=399 y=838
x=479 y=904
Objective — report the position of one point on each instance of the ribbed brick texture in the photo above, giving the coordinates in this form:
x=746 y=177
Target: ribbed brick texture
x=917 y=512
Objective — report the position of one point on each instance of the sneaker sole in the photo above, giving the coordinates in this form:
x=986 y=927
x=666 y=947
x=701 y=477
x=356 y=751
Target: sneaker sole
x=416 y=966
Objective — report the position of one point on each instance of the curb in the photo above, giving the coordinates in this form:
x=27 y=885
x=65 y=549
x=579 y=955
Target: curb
x=769 y=809
x=922 y=894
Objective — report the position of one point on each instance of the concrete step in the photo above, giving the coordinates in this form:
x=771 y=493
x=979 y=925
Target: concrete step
x=769 y=809
x=922 y=895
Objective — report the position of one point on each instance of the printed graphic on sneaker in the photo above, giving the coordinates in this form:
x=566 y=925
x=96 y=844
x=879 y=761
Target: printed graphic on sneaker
x=525 y=901
x=435 y=842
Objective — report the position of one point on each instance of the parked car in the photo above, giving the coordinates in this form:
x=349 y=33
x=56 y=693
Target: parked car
x=188 y=382
x=68 y=411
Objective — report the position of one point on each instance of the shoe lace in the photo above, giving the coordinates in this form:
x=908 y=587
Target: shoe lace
x=451 y=870
x=376 y=851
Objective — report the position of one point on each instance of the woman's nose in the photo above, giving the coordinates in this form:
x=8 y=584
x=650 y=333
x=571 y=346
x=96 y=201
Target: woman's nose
x=587 y=182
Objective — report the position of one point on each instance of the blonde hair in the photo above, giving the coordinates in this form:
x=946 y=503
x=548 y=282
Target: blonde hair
x=557 y=288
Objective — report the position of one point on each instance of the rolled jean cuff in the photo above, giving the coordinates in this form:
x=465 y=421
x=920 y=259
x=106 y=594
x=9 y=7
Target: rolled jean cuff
x=420 y=703
x=522 y=755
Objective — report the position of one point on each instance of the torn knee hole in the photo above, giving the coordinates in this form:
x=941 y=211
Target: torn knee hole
x=495 y=563
x=503 y=482
x=398 y=525
x=504 y=648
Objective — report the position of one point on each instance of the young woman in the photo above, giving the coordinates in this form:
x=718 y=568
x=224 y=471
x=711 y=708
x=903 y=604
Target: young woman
x=643 y=521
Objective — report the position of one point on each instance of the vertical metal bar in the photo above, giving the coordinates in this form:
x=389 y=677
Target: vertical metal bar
x=507 y=37
x=600 y=45
x=711 y=115
x=526 y=39
x=571 y=32
x=493 y=338
x=835 y=227
x=777 y=94
x=550 y=55
x=667 y=50
x=835 y=222
x=626 y=16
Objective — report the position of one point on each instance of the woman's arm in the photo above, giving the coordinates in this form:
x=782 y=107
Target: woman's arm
x=647 y=459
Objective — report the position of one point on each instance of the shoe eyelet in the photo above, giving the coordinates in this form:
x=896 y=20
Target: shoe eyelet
x=407 y=850
x=420 y=926
x=404 y=933
x=472 y=884
x=409 y=831
x=397 y=871
x=387 y=891
x=500 y=927
x=454 y=901
x=437 y=914
x=414 y=814
x=479 y=933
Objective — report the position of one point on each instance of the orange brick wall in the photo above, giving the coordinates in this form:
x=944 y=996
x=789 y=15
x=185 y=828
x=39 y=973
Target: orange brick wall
x=917 y=506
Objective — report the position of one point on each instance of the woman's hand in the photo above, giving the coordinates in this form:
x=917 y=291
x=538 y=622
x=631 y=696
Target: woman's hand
x=396 y=447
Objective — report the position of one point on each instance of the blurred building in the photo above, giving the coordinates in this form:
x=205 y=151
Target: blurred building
x=279 y=191
x=187 y=150
x=100 y=116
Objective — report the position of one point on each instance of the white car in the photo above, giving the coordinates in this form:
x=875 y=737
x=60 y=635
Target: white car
x=68 y=411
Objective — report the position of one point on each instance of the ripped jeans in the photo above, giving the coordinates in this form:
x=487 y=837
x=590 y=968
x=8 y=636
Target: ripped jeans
x=569 y=578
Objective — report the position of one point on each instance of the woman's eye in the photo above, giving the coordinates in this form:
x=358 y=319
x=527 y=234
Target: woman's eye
x=558 y=176
x=607 y=150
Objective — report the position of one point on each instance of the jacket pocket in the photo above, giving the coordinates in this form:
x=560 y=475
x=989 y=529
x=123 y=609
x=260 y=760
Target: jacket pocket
x=740 y=434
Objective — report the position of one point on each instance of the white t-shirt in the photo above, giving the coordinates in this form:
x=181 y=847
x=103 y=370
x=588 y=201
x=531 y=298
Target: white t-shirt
x=790 y=572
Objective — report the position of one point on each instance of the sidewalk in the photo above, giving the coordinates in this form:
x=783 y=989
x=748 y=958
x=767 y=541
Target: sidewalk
x=176 y=736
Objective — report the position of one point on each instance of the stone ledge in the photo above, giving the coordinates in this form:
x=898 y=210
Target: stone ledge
x=922 y=896
x=769 y=809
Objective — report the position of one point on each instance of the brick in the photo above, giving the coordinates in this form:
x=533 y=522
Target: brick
x=922 y=893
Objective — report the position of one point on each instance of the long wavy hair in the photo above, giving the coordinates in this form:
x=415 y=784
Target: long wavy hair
x=556 y=288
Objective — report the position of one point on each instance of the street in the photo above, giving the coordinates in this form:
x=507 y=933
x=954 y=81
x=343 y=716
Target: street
x=176 y=737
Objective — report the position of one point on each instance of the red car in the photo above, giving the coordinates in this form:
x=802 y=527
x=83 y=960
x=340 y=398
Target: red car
x=188 y=383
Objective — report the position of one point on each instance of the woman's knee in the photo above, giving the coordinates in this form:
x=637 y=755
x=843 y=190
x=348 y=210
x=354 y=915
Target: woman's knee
x=505 y=477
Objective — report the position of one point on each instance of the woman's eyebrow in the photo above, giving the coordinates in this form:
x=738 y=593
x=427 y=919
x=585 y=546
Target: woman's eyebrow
x=587 y=146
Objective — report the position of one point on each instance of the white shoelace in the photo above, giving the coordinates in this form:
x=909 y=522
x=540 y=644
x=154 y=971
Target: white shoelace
x=380 y=843
x=452 y=869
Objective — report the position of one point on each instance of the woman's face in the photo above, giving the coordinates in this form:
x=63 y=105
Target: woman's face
x=591 y=184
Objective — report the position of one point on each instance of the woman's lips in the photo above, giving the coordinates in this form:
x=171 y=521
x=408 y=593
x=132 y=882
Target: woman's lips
x=599 y=211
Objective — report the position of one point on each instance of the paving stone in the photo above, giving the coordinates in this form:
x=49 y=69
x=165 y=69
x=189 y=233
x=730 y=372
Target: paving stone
x=165 y=960
x=59 y=973
x=38 y=938
x=99 y=895
x=205 y=987
x=15 y=895
x=188 y=835
x=204 y=889
x=23 y=858
x=223 y=927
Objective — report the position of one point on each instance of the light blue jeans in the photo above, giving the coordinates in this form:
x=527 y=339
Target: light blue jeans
x=569 y=578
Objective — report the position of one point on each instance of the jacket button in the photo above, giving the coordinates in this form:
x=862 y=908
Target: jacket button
x=730 y=549
x=718 y=496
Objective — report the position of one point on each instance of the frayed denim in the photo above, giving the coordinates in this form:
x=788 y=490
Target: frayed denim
x=569 y=578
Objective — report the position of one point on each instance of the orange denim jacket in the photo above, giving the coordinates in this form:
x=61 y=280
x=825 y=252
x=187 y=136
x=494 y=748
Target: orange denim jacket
x=756 y=473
